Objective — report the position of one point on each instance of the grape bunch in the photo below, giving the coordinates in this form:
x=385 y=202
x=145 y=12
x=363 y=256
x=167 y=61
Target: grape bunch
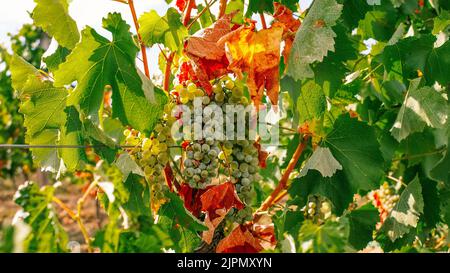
x=201 y=163
x=239 y=156
x=384 y=199
x=153 y=153
x=317 y=209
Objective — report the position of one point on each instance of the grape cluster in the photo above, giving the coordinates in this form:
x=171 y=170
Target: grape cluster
x=239 y=156
x=209 y=158
x=384 y=199
x=318 y=209
x=201 y=163
x=153 y=153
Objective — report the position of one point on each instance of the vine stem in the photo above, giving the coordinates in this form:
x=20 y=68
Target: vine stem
x=222 y=8
x=143 y=48
x=169 y=59
x=168 y=70
x=263 y=21
x=283 y=185
x=75 y=217
x=187 y=14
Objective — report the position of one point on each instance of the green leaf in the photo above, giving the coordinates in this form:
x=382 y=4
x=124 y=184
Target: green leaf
x=20 y=73
x=167 y=30
x=323 y=161
x=311 y=102
x=432 y=204
x=422 y=107
x=330 y=237
x=362 y=225
x=45 y=109
x=314 y=38
x=354 y=145
x=97 y=62
x=138 y=199
x=406 y=212
x=128 y=166
x=336 y=188
x=262 y=6
x=58 y=57
x=53 y=17
x=441 y=22
x=379 y=23
x=441 y=171
x=413 y=54
x=175 y=211
x=47 y=234
x=438 y=65
x=236 y=6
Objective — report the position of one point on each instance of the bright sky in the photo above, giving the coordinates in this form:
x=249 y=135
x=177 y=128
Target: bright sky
x=15 y=13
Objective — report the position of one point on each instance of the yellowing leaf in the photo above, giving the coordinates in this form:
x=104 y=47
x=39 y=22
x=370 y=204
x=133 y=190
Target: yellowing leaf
x=258 y=55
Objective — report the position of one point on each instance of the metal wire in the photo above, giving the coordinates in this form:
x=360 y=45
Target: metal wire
x=26 y=146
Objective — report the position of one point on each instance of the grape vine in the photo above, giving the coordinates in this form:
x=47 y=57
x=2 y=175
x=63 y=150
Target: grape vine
x=270 y=124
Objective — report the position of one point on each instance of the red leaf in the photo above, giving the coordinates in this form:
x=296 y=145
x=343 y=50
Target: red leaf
x=262 y=155
x=181 y=5
x=168 y=174
x=240 y=240
x=264 y=230
x=186 y=73
x=191 y=198
x=216 y=203
x=208 y=59
x=221 y=196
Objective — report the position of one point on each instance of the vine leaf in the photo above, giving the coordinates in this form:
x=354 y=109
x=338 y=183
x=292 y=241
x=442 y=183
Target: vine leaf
x=47 y=119
x=314 y=38
x=53 y=17
x=58 y=57
x=422 y=107
x=330 y=237
x=406 y=212
x=240 y=240
x=97 y=62
x=174 y=209
x=311 y=102
x=336 y=188
x=285 y=16
x=441 y=171
x=261 y=6
x=355 y=146
x=207 y=57
x=362 y=224
x=167 y=30
x=128 y=166
x=323 y=161
x=413 y=54
x=47 y=235
x=216 y=203
x=258 y=54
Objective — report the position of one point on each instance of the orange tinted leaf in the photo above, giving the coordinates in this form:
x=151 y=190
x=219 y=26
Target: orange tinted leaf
x=264 y=230
x=262 y=155
x=285 y=17
x=208 y=58
x=212 y=224
x=258 y=55
x=240 y=240
x=221 y=196
x=191 y=198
